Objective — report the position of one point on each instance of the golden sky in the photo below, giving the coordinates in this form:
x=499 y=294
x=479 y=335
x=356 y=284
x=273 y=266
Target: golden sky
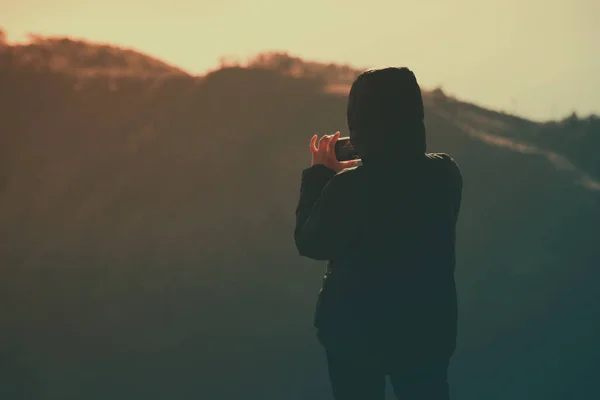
x=536 y=58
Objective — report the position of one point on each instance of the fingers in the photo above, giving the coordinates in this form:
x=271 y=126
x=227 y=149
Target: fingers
x=323 y=142
x=313 y=143
x=333 y=139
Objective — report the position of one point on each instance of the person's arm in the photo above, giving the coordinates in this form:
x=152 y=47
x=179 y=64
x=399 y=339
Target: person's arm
x=324 y=224
x=323 y=216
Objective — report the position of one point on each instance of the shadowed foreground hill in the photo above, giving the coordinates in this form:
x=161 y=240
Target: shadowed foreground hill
x=146 y=226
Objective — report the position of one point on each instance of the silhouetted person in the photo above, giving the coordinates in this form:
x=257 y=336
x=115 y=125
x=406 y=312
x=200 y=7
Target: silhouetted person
x=387 y=227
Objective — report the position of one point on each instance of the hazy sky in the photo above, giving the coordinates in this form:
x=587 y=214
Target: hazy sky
x=536 y=58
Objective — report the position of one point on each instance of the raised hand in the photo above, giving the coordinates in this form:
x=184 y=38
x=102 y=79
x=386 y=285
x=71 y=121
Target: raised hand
x=323 y=152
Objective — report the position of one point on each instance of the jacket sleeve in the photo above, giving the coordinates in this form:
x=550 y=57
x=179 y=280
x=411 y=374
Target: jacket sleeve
x=324 y=227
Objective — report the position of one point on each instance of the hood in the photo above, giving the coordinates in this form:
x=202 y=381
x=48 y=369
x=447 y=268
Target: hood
x=386 y=115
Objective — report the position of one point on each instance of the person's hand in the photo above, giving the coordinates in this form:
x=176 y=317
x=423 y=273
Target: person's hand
x=324 y=153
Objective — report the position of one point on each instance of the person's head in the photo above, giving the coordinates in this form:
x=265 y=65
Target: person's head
x=385 y=114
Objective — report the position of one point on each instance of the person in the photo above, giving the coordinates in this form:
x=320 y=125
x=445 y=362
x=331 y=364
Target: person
x=386 y=225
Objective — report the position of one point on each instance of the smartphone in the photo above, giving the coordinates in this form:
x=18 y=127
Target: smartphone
x=344 y=150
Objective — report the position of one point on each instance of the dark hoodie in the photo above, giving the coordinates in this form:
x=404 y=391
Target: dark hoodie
x=386 y=228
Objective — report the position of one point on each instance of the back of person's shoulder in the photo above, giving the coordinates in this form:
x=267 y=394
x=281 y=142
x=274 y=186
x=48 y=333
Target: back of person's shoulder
x=442 y=160
x=444 y=164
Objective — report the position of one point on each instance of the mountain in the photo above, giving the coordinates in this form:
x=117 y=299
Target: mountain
x=146 y=221
x=64 y=55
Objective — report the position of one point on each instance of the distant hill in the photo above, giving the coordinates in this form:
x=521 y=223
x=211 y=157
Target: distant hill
x=146 y=221
x=64 y=55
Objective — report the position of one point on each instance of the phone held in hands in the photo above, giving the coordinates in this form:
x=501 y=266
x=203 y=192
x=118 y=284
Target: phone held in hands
x=344 y=151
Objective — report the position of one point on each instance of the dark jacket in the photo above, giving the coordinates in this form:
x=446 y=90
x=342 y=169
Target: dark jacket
x=386 y=228
x=388 y=233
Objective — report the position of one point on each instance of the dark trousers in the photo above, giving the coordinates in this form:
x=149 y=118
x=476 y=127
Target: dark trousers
x=358 y=373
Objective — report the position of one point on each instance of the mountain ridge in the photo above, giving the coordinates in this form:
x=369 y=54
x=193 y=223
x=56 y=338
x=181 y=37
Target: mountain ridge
x=70 y=49
x=89 y=60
